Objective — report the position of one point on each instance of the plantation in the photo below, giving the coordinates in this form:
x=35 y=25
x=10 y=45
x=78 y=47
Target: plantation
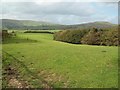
x=40 y=61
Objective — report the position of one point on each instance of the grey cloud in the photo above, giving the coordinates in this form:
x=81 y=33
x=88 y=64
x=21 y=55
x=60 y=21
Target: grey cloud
x=80 y=9
x=58 y=12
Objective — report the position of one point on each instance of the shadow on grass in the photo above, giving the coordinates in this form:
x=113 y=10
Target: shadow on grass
x=17 y=40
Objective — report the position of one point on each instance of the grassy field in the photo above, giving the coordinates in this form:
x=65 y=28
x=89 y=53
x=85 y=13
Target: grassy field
x=62 y=64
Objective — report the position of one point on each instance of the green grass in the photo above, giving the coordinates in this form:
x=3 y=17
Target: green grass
x=66 y=65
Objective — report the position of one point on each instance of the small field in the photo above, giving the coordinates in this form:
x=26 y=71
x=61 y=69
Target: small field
x=61 y=64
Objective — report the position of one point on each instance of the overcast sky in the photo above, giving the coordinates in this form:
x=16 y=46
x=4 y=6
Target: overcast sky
x=59 y=11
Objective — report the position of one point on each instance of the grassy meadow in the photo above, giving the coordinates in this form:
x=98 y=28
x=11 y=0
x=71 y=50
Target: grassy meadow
x=63 y=64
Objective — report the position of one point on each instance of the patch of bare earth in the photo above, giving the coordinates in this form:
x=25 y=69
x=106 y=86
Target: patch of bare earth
x=53 y=78
x=12 y=78
x=16 y=83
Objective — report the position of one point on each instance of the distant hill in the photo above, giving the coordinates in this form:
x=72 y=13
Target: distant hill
x=99 y=24
x=37 y=25
x=23 y=24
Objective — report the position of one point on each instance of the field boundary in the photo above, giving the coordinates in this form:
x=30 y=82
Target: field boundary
x=28 y=71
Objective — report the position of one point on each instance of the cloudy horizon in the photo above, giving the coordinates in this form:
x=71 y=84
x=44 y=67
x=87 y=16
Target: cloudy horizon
x=61 y=12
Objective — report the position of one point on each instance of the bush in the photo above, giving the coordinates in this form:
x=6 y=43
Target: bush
x=70 y=36
x=110 y=38
x=101 y=37
x=107 y=37
x=93 y=37
x=6 y=35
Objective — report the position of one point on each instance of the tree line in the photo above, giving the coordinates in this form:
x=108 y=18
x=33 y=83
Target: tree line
x=33 y=31
x=91 y=37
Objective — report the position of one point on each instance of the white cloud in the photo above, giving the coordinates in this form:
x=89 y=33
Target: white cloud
x=79 y=9
x=58 y=12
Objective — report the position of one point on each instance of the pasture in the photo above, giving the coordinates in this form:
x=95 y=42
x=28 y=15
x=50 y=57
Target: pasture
x=63 y=64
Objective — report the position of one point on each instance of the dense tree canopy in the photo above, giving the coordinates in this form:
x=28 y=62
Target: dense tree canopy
x=91 y=37
x=70 y=36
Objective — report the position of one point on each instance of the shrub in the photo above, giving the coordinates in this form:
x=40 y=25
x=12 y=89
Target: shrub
x=70 y=36
x=93 y=37
x=108 y=37
x=5 y=34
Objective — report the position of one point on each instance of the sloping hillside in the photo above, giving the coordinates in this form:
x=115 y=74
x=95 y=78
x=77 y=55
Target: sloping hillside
x=98 y=24
x=40 y=25
x=23 y=24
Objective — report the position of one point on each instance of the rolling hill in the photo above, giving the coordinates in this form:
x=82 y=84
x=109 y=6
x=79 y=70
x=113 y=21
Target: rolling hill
x=99 y=24
x=37 y=25
x=23 y=24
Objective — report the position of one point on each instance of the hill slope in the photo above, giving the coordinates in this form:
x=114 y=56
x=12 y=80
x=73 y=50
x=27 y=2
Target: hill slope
x=23 y=24
x=98 y=24
x=36 y=25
